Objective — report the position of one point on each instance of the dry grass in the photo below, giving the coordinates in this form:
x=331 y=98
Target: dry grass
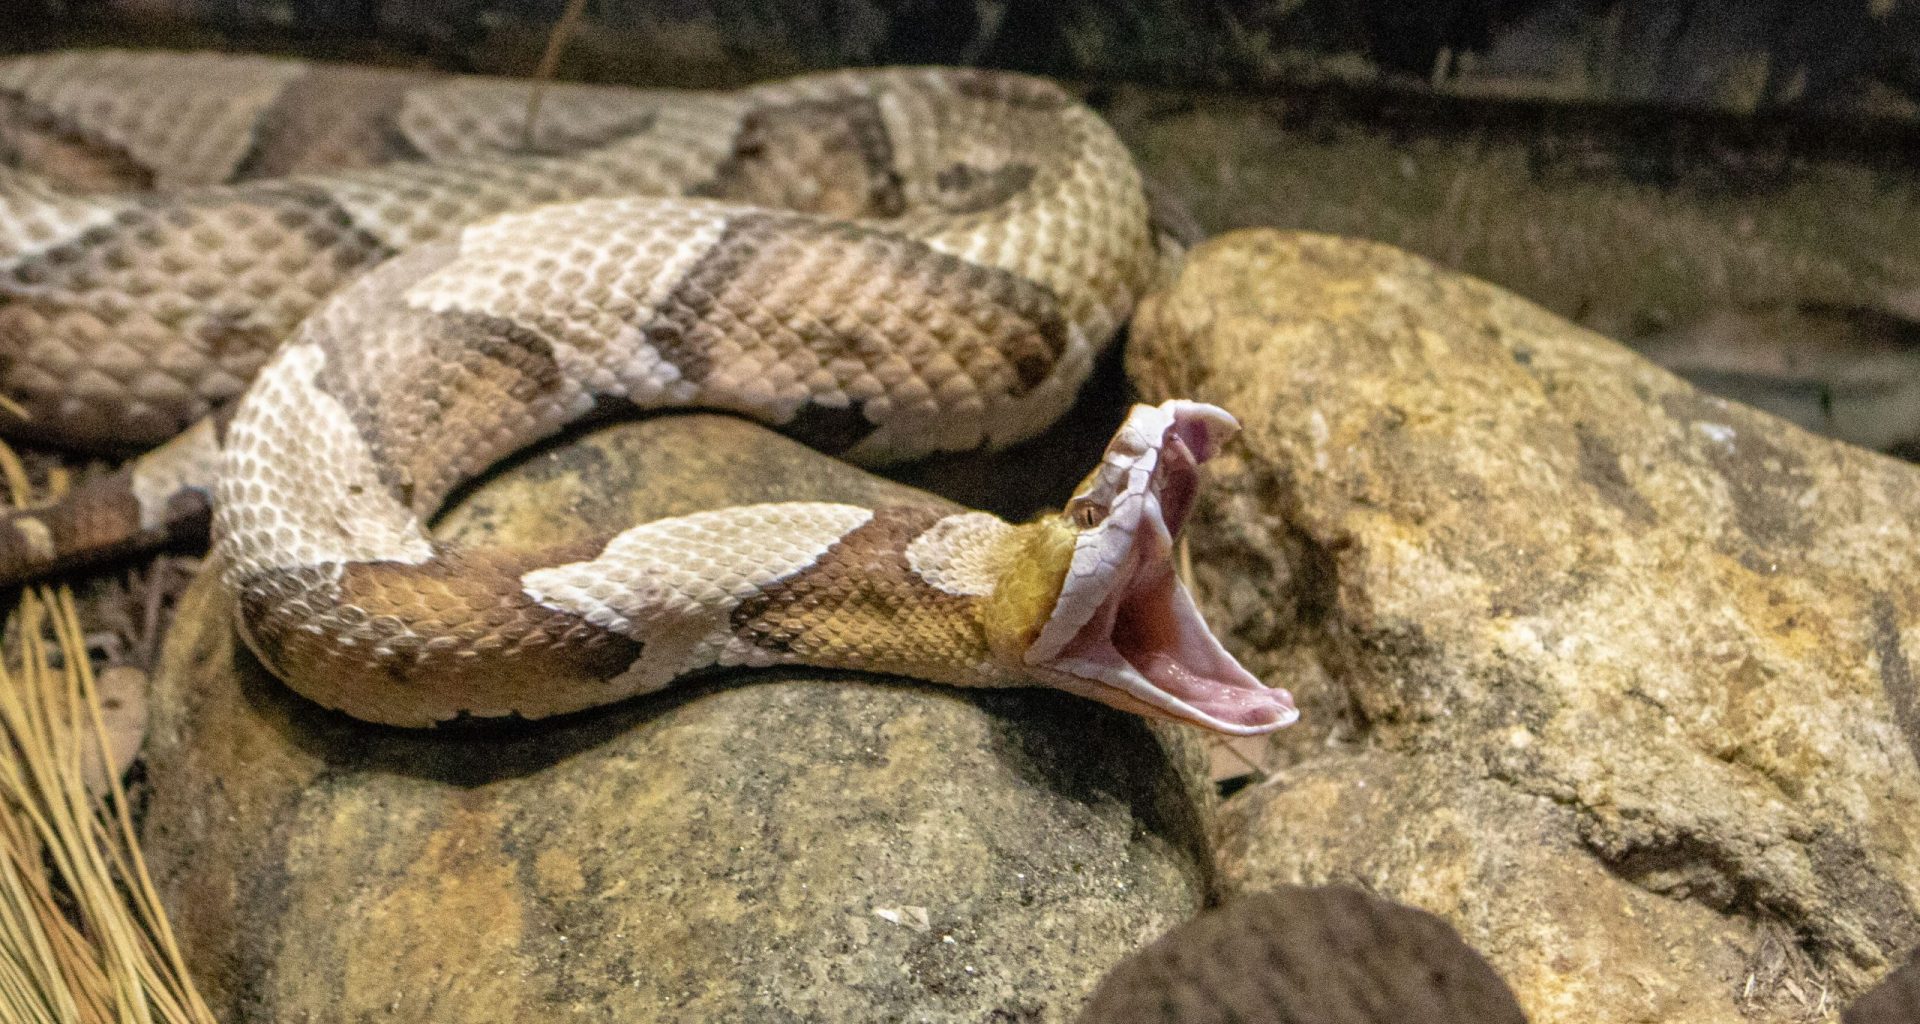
x=83 y=937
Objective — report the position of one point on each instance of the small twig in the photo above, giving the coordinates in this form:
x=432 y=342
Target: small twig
x=549 y=62
x=1259 y=772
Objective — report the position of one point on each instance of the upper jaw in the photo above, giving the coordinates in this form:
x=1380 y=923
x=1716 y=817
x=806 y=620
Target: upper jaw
x=1125 y=630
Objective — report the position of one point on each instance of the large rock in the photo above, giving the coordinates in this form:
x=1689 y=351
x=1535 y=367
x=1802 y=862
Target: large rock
x=781 y=847
x=1615 y=677
x=1298 y=955
x=1894 y=1001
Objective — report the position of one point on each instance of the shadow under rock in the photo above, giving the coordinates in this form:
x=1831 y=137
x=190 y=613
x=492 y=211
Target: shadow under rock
x=1090 y=754
x=1081 y=751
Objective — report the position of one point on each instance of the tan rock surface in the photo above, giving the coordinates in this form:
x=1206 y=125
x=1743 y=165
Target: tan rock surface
x=785 y=847
x=1622 y=673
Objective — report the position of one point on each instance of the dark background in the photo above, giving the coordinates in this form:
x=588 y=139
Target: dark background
x=1727 y=185
x=1843 y=56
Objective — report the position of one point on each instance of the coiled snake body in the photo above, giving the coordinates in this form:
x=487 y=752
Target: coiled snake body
x=885 y=264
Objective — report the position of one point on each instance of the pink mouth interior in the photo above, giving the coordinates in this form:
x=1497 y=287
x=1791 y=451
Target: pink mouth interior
x=1149 y=625
x=1160 y=633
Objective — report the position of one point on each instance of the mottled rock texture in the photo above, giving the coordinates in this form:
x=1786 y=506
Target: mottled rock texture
x=1615 y=677
x=1306 y=955
x=783 y=847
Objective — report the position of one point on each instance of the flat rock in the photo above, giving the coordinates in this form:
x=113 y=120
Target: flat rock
x=1894 y=1001
x=781 y=846
x=1306 y=955
x=1614 y=676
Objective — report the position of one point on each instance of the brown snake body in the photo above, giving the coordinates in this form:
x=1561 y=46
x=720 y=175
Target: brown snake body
x=883 y=263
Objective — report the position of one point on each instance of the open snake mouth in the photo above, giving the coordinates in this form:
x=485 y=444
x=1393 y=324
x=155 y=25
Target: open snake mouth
x=1124 y=630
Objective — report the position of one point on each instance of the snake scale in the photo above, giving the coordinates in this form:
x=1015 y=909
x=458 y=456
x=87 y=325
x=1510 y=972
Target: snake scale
x=336 y=294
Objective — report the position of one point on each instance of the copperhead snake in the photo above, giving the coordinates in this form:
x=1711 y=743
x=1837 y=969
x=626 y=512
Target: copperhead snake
x=342 y=292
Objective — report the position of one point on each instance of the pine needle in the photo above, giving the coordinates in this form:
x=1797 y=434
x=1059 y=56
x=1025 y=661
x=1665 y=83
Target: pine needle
x=83 y=937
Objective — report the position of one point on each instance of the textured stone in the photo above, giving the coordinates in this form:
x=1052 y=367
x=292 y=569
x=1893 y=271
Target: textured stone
x=783 y=846
x=1508 y=868
x=1560 y=625
x=1298 y=955
x=1894 y=1001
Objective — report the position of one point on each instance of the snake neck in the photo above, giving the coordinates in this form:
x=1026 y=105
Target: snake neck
x=912 y=591
x=903 y=589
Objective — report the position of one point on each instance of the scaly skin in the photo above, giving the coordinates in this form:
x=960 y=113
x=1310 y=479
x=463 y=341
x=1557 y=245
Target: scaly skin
x=886 y=264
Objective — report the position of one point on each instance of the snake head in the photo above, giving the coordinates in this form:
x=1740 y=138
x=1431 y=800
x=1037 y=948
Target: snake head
x=1121 y=627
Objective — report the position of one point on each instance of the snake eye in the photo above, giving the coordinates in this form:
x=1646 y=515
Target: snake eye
x=1085 y=514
